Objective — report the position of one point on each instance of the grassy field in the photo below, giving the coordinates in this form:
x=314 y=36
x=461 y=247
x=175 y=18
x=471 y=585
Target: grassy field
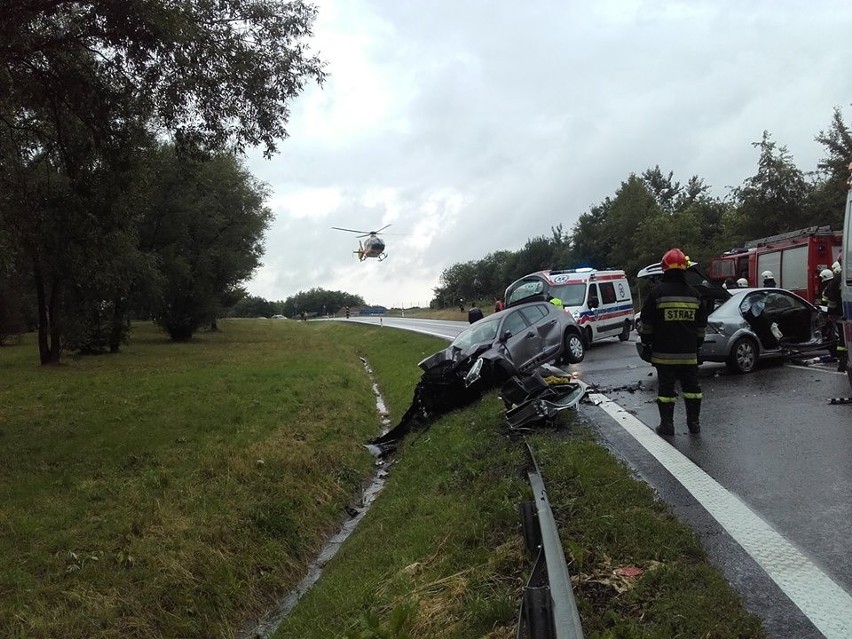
x=180 y=490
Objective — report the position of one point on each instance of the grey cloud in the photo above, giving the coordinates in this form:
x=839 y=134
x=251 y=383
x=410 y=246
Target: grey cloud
x=536 y=111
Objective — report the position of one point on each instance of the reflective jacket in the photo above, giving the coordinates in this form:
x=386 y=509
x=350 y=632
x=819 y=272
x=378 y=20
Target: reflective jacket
x=673 y=321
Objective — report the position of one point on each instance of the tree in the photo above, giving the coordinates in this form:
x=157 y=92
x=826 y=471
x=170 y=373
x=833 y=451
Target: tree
x=214 y=74
x=254 y=306
x=61 y=208
x=204 y=221
x=591 y=244
x=319 y=300
x=81 y=83
x=828 y=200
x=665 y=191
x=16 y=304
x=774 y=199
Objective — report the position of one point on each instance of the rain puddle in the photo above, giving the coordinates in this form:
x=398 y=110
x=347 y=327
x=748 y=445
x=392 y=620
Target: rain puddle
x=269 y=623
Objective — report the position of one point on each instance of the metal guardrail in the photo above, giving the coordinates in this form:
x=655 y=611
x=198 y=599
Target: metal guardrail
x=548 y=610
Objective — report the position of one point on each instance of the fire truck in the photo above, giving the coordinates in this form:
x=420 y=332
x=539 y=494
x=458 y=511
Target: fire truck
x=795 y=260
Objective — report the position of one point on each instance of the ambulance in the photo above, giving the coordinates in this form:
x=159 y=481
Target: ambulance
x=600 y=301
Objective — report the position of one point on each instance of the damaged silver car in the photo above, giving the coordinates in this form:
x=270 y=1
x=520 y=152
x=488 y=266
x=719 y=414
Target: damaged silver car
x=747 y=325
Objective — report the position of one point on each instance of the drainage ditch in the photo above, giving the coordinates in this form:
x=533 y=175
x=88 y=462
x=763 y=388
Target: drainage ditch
x=267 y=626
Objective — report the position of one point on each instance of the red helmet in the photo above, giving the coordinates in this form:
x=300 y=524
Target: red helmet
x=674 y=258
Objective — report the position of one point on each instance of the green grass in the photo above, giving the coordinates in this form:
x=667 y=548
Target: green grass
x=180 y=490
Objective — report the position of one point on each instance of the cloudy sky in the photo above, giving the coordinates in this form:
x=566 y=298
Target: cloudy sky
x=470 y=126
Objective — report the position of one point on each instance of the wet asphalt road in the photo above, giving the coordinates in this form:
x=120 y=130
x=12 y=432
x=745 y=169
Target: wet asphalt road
x=771 y=439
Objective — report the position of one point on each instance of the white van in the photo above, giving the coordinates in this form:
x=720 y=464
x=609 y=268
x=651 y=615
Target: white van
x=600 y=301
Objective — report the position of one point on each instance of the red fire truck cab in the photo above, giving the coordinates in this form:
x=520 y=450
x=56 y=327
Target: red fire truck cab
x=795 y=259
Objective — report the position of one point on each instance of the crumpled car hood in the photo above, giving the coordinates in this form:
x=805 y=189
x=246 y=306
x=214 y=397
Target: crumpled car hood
x=453 y=354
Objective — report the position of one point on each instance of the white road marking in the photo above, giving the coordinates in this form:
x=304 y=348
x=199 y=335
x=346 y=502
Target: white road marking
x=814 y=368
x=826 y=604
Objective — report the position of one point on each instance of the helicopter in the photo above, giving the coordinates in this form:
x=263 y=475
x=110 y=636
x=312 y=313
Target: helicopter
x=373 y=246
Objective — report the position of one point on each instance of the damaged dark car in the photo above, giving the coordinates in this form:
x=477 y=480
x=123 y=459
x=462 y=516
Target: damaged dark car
x=514 y=342
x=510 y=342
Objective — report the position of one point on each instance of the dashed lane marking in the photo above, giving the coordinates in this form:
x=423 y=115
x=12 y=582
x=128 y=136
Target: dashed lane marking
x=815 y=367
x=824 y=602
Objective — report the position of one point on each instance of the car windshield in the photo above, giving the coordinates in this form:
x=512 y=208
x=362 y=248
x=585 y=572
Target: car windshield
x=482 y=331
x=526 y=289
x=570 y=294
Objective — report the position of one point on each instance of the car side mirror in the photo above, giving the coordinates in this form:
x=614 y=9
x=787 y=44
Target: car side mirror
x=593 y=302
x=505 y=336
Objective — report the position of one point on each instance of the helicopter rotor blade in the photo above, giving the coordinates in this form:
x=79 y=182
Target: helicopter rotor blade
x=337 y=228
x=368 y=233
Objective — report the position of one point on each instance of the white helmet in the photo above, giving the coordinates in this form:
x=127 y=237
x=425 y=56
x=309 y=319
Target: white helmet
x=742 y=282
x=826 y=274
x=836 y=267
x=767 y=275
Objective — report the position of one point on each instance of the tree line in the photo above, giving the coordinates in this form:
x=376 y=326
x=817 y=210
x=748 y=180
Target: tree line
x=316 y=301
x=652 y=212
x=122 y=188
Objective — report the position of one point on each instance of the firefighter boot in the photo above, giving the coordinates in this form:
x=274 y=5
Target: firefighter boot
x=666 y=427
x=693 y=410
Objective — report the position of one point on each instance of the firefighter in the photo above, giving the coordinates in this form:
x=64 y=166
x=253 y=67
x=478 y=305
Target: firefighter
x=831 y=299
x=673 y=323
x=768 y=279
x=825 y=276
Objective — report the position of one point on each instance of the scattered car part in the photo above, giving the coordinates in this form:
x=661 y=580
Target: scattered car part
x=535 y=399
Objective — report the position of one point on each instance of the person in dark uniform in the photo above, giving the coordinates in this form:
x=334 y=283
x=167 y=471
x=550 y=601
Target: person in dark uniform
x=672 y=328
x=474 y=314
x=832 y=299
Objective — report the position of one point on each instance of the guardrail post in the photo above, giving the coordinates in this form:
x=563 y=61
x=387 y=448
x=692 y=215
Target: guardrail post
x=538 y=613
x=530 y=527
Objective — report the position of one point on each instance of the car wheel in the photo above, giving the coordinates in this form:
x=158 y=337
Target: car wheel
x=575 y=349
x=743 y=356
x=625 y=332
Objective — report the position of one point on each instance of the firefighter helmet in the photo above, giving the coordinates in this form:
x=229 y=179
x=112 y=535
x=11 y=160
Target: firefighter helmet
x=836 y=267
x=767 y=275
x=674 y=258
x=826 y=274
x=742 y=283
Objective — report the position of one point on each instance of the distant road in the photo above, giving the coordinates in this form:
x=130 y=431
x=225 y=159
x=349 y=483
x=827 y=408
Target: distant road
x=448 y=329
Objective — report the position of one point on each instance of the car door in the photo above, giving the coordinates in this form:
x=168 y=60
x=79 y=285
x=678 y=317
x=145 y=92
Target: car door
x=796 y=319
x=545 y=320
x=593 y=303
x=523 y=341
x=607 y=326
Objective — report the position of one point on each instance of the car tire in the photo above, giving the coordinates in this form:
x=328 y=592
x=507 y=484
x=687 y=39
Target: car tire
x=575 y=348
x=625 y=332
x=743 y=356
